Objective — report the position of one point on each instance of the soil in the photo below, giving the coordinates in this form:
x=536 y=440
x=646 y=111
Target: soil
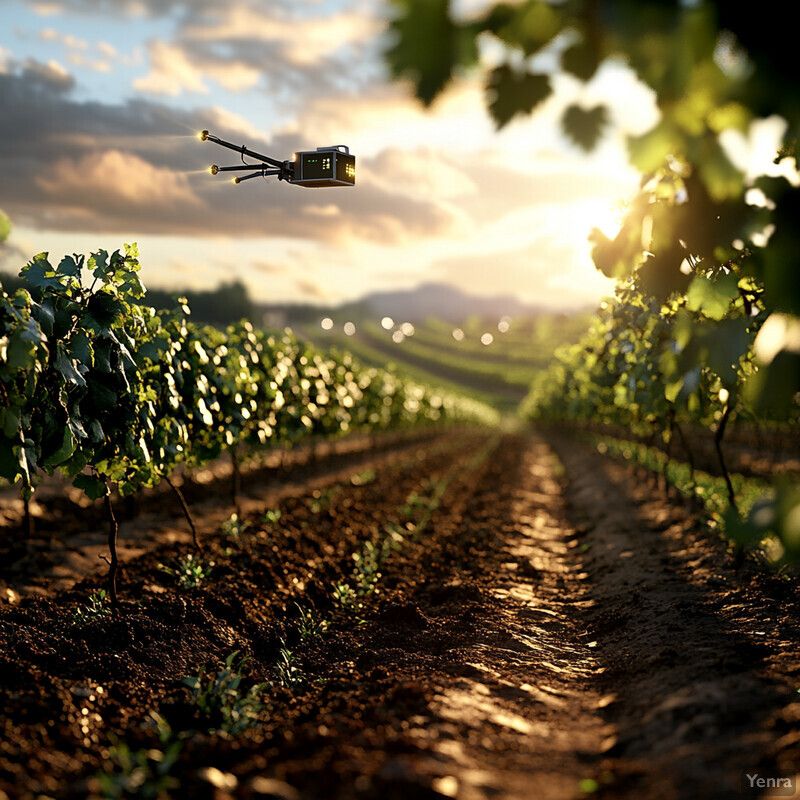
x=547 y=625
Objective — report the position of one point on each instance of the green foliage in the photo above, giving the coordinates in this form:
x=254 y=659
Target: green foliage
x=95 y=608
x=189 y=572
x=234 y=527
x=113 y=394
x=222 y=699
x=272 y=516
x=345 y=595
x=311 y=626
x=321 y=499
x=585 y=125
x=288 y=669
x=511 y=92
x=692 y=241
x=428 y=48
x=5 y=227
x=767 y=519
x=775 y=521
x=366 y=573
x=224 y=305
x=143 y=774
x=365 y=477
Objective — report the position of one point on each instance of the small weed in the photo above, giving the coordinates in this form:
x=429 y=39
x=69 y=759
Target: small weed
x=345 y=595
x=233 y=527
x=393 y=541
x=367 y=569
x=310 y=624
x=272 y=516
x=221 y=699
x=365 y=477
x=288 y=670
x=321 y=499
x=142 y=773
x=189 y=572
x=414 y=502
x=94 y=609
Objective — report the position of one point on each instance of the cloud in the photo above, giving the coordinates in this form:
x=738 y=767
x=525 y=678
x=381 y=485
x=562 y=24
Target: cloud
x=311 y=289
x=71 y=165
x=44 y=9
x=422 y=171
x=171 y=71
x=107 y=50
x=51 y=75
x=118 y=182
x=270 y=267
x=303 y=41
x=68 y=40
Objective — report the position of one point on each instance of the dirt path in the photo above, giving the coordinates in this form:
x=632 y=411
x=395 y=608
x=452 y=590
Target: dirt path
x=701 y=662
x=547 y=626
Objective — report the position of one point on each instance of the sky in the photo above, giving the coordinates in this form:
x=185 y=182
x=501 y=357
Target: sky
x=101 y=101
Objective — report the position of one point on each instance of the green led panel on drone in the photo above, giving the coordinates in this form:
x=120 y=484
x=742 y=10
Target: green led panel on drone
x=325 y=166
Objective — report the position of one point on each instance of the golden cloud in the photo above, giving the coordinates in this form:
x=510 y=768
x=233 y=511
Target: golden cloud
x=171 y=72
x=115 y=179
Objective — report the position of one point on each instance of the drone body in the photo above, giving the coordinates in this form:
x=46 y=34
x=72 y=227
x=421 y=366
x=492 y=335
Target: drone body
x=325 y=166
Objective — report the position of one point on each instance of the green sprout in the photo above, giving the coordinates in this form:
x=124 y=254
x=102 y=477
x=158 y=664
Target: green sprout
x=288 y=670
x=189 y=572
x=366 y=476
x=310 y=623
x=94 y=609
x=143 y=773
x=345 y=595
x=234 y=527
x=321 y=499
x=221 y=699
x=272 y=516
x=367 y=569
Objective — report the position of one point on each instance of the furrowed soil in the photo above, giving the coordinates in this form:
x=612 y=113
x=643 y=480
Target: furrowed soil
x=523 y=618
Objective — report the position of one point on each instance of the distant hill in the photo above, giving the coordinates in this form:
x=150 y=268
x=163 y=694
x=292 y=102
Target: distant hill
x=445 y=302
x=410 y=305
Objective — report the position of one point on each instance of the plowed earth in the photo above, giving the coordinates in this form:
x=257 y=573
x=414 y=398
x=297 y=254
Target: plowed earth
x=546 y=625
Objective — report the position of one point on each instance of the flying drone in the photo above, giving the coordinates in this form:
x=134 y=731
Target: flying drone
x=325 y=166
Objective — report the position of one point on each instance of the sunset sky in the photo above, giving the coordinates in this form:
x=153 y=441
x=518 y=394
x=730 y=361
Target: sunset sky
x=100 y=102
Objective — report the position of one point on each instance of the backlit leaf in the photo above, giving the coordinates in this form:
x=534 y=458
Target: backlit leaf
x=511 y=92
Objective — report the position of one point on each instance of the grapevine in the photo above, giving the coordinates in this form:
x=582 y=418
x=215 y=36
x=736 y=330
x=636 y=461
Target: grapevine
x=101 y=387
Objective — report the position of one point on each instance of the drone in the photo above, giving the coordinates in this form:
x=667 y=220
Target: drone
x=325 y=166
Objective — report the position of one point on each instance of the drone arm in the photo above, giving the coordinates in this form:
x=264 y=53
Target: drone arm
x=206 y=136
x=263 y=173
x=214 y=169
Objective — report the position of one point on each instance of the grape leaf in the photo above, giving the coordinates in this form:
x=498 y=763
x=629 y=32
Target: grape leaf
x=585 y=126
x=511 y=92
x=712 y=297
x=5 y=227
x=66 y=367
x=40 y=274
x=428 y=46
x=93 y=487
x=64 y=452
x=580 y=60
